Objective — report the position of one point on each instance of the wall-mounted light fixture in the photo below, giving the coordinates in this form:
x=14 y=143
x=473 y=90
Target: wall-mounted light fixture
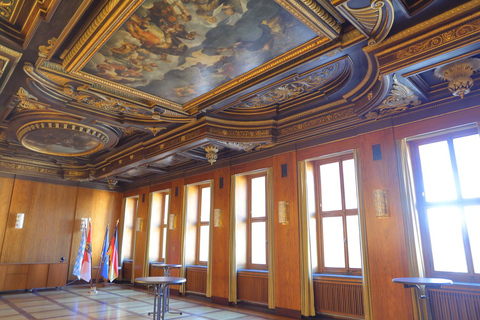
x=83 y=224
x=283 y=212
x=139 y=224
x=217 y=218
x=19 y=221
x=172 y=221
x=381 y=204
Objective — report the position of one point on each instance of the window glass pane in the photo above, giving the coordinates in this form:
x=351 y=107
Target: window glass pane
x=467 y=154
x=259 y=243
x=205 y=213
x=437 y=172
x=164 y=249
x=330 y=187
x=154 y=248
x=445 y=226
x=333 y=245
x=353 y=236
x=203 y=255
x=472 y=215
x=165 y=209
x=258 y=197
x=350 y=185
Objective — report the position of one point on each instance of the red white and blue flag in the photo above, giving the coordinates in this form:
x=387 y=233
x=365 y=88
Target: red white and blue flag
x=86 y=269
x=113 y=255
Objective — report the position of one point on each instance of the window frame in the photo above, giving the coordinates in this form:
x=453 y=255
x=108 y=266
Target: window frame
x=164 y=210
x=422 y=205
x=250 y=220
x=200 y=223
x=319 y=215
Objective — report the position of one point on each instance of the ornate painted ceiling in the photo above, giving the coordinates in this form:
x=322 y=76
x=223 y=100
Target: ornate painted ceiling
x=126 y=93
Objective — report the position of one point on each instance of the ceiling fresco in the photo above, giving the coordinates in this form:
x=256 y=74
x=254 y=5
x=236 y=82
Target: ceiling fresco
x=183 y=49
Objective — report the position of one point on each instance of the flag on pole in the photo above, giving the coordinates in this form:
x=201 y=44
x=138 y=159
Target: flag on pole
x=86 y=270
x=113 y=255
x=78 y=261
x=104 y=257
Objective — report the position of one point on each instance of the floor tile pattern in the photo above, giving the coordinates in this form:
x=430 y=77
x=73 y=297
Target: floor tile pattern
x=111 y=302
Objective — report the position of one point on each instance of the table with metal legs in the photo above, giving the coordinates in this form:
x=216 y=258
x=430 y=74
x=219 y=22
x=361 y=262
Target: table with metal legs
x=167 y=267
x=415 y=283
x=161 y=285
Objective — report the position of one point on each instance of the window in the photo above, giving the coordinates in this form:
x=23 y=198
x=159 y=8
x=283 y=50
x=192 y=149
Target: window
x=203 y=225
x=129 y=228
x=447 y=186
x=257 y=222
x=252 y=229
x=197 y=234
x=158 y=226
x=335 y=216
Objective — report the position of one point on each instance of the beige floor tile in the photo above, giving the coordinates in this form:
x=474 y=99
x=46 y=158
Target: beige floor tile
x=14 y=317
x=44 y=307
x=53 y=314
x=8 y=312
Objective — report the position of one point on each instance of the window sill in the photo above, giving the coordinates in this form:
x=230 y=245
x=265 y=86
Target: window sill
x=322 y=277
x=463 y=286
x=252 y=271
x=195 y=266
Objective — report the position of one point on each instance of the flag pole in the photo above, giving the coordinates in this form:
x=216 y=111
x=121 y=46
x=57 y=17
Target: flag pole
x=91 y=260
x=102 y=261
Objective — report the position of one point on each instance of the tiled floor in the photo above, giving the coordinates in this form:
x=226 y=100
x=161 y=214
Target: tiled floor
x=112 y=302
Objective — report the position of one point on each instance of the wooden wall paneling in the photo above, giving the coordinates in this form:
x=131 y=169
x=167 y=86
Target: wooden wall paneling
x=287 y=246
x=141 y=235
x=250 y=166
x=252 y=287
x=37 y=275
x=454 y=119
x=343 y=298
x=174 y=236
x=3 y=275
x=47 y=231
x=196 y=280
x=57 y=275
x=127 y=270
x=220 y=246
x=16 y=277
x=102 y=207
x=327 y=149
x=6 y=189
x=386 y=242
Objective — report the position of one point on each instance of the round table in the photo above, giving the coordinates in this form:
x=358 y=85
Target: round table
x=161 y=284
x=167 y=267
x=412 y=282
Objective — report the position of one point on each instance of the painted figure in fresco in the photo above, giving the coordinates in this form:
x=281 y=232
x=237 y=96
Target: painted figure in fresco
x=210 y=9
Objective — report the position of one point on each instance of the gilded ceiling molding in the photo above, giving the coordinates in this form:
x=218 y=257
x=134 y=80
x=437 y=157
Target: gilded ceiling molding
x=320 y=121
x=374 y=21
x=458 y=74
x=77 y=175
x=43 y=51
x=112 y=183
x=239 y=133
x=3 y=136
x=155 y=130
x=246 y=146
x=63 y=88
x=110 y=18
x=316 y=17
x=8 y=60
x=400 y=99
x=6 y=8
x=24 y=101
x=405 y=36
x=61 y=138
x=291 y=90
x=31 y=169
x=257 y=72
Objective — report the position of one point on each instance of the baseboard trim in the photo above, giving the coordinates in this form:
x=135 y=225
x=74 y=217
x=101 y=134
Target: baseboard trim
x=294 y=314
x=221 y=301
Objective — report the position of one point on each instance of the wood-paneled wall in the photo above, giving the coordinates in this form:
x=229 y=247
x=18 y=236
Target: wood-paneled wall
x=386 y=243
x=52 y=222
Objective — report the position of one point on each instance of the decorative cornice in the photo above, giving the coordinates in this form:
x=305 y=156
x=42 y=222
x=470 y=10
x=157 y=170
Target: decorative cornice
x=308 y=124
x=24 y=101
x=6 y=8
x=23 y=167
x=399 y=100
x=155 y=130
x=291 y=90
x=43 y=51
x=239 y=133
x=421 y=27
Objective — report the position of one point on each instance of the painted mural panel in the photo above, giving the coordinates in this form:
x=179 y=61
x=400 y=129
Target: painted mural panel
x=181 y=49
